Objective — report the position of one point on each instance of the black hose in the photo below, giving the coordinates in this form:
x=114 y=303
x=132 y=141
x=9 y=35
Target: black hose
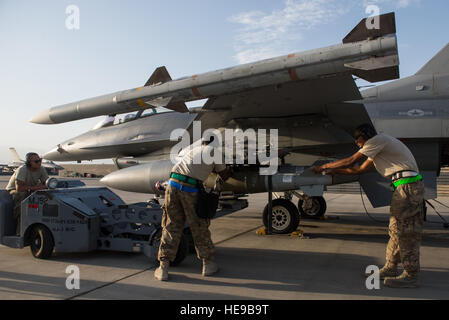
x=366 y=210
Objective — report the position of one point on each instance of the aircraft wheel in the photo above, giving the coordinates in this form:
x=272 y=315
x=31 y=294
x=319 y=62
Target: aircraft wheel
x=316 y=209
x=42 y=243
x=285 y=217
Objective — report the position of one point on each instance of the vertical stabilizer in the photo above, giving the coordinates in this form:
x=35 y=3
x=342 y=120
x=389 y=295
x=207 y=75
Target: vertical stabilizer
x=438 y=64
x=15 y=155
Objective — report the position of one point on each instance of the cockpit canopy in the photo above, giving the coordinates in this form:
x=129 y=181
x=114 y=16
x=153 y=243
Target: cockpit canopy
x=113 y=120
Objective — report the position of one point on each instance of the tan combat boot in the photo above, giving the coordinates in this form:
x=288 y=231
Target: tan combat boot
x=405 y=280
x=161 y=273
x=388 y=270
x=209 y=267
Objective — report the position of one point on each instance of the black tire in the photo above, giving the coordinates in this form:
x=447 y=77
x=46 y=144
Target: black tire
x=318 y=210
x=41 y=242
x=285 y=217
x=183 y=250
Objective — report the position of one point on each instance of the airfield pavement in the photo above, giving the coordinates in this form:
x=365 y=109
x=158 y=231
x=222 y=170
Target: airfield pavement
x=329 y=263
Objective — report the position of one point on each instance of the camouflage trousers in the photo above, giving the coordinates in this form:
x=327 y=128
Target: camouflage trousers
x=406 y=226
x=18 y=197
x=179 y=206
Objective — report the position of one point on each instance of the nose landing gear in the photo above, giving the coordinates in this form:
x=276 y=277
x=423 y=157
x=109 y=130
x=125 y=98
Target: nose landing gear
x=312 y=207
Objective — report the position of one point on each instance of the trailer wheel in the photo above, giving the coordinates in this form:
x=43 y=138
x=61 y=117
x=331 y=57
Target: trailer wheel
x=183 y=248
x=188 y=234
x=317 y=209
x=41 y=242
x=285 y=216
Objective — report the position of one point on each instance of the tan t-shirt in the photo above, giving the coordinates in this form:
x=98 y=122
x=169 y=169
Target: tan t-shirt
x=198 y=170
x=31 y=178
x=389 y=155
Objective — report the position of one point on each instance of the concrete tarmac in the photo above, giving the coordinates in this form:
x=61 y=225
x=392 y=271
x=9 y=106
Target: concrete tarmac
x=328 y=263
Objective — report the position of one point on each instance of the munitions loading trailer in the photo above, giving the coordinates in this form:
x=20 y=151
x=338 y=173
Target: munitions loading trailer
x=74 y=218
x=82 y=220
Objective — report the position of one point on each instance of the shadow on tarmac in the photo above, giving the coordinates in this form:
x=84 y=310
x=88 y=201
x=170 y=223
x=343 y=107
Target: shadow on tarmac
x=250 y=273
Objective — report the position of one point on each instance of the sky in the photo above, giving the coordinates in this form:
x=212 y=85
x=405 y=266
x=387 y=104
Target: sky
x=118 y=45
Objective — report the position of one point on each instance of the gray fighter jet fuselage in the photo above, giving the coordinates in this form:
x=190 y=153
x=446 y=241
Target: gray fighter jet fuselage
x=416 y=110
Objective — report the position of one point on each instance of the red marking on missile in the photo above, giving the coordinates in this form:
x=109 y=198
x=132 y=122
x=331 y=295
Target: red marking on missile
x=291 y=55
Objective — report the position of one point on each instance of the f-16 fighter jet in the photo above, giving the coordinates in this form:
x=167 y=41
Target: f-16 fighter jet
x=308 y=103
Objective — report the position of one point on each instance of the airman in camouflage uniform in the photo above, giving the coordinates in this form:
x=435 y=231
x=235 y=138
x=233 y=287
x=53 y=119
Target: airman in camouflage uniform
x=405 y=230
x=180 y=205
x=393 y=160
x=25 y=180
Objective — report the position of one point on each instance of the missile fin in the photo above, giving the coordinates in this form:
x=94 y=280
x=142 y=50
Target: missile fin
x=374 y=63
x=376 y=69
x=160 y=75
x=382 y=74
x=178 y=106
x=162 y=102
x=372 y=28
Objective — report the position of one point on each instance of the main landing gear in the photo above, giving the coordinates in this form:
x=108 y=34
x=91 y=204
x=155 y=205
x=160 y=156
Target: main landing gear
x=286 y=215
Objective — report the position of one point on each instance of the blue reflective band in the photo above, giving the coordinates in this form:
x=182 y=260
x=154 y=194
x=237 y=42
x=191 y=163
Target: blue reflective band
x=181 y=187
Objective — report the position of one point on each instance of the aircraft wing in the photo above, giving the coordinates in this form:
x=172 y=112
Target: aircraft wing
x=310 y=113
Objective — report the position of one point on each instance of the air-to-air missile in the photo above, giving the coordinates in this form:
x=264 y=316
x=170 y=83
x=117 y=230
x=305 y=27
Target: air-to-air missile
x=368 y=53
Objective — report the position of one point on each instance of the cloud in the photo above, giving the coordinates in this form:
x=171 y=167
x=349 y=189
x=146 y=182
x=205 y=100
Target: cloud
x=264 y=35
x=398 y=4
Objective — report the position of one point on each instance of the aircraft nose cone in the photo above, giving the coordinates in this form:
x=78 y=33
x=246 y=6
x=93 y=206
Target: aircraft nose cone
x=42 y=118
x=52 y=155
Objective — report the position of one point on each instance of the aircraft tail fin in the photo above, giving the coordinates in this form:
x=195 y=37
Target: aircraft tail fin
x=438 y=64
x=15 y=155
